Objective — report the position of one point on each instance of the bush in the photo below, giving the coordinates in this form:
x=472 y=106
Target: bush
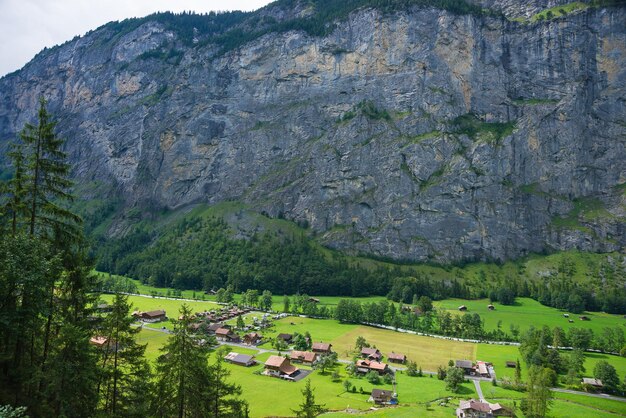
x=373 y=377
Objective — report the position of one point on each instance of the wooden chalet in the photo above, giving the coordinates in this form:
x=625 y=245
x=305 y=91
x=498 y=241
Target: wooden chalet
x=584 y=318
x=482 y=369
x=214 y=327
x=371 y=353
x=479 y=409
x=396 y=358
x=595 y=383
x=314 y=300
x=278 y=366
x=154 y=316
x=307 y=357
x=364 y=366
x=511 y=364
x=462 y=308
x=227 y=335
x=322 y=348
x=98 y=341
x=240 y=359
x=285 y=337
x=381 y=397
x=491 y=307
x=252 y=338
x=466 y=365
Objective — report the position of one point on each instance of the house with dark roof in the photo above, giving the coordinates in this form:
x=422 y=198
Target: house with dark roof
x=307 y=357
x=595 y=383
x=153 y=316
x=364 y=366
x=227 y=335
x=381 y=397
x=252 y=338
x=214 y=327
x=396 y=358
x=479 y=409
x=322 y=348
x=285 y=337
x=466 y=365
x=371 y=353
x=278 y=366
x=240 y=359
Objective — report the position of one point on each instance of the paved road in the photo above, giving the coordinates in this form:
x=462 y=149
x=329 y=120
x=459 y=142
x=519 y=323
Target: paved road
x=479 y=390
x=593 y=395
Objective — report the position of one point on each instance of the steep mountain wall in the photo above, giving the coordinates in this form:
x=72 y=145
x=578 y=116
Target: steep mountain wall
x=418 y=134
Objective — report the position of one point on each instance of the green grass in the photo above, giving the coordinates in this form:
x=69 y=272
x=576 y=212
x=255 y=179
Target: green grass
x=491 y=132
x=558 y=11
x=427 y=352
x=564 y=405
x=527 y=312
x=414 y=393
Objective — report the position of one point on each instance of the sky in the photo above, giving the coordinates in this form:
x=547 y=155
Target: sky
x=27 y=26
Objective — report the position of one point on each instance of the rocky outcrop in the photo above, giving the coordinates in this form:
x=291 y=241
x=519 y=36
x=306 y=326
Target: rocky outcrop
x=419 y=134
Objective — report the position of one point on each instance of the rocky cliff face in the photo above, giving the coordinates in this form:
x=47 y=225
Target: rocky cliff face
x=418 y=134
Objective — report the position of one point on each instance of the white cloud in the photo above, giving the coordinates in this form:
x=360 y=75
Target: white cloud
x=27 y=26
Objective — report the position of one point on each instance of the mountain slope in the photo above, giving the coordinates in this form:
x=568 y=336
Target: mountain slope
x=404 y=131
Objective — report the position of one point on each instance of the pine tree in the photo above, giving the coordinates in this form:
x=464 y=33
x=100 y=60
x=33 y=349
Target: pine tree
x=14 y=190
x=47 y=182
x=222 y=399
x=308 y=408
x=124 y=373
x=182 y=373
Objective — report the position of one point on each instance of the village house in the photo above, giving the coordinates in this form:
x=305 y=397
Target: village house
x=371 y=353
x=285 y=337
x=153 y=316
x=462 y=308
x=240 y=359
x=278 y=366
x=306 y=357
x=478 y=409
x=595 y=383
x=382 y=397
x=227 y=335
x=314 y=300
x=481 y=368
x=396 y=358
x=252 y=338
x=364 y=366
x=511 y=364
x=466 y=365
x=322 y=348
x=98 y=341
x=214 y=327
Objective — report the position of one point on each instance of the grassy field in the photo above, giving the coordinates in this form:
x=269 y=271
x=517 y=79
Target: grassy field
x=418 y=396
x=527 y=312
x=565 y=405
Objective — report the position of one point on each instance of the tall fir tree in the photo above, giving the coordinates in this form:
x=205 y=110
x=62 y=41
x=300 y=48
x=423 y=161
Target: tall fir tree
x=124 y=374
x=308 y=407
x=48 y=183
x=182 y=373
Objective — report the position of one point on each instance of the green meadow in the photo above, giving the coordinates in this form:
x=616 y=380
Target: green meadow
x=526 y=312
x=418 y=396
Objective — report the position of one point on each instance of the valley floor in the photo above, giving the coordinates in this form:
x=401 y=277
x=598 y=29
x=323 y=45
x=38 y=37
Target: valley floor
x=418 y=396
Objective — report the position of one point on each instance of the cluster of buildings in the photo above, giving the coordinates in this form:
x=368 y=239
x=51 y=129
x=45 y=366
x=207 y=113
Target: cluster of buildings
x=480 y=409
x=479 y=369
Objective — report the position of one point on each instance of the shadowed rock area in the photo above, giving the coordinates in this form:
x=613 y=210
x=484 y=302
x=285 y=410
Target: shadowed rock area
x=418 y=134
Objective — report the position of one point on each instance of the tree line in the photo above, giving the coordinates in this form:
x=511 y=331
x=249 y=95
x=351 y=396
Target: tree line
x=59 y=356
